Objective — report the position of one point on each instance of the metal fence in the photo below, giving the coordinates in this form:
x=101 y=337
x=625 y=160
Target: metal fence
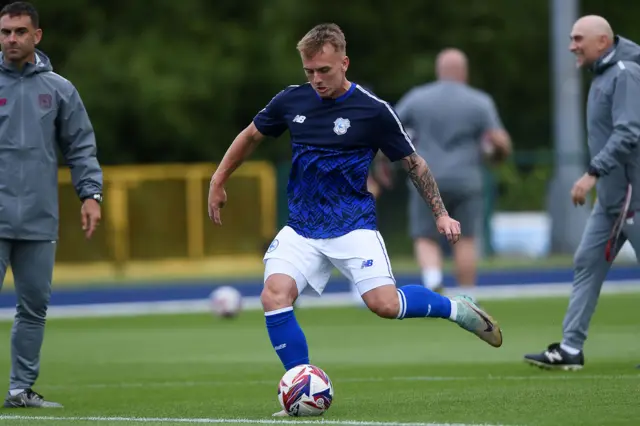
x=155 y=223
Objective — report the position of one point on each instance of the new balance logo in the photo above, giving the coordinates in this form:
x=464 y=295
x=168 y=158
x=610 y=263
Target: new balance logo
x=553 y=356
x=367 y=263
x=299 y=119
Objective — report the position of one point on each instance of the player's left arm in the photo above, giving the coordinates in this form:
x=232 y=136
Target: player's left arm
x=625 y=113
x=396 y=144
x=425 y=183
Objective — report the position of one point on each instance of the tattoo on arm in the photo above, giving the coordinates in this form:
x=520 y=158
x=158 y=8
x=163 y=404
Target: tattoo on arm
x=424 y=181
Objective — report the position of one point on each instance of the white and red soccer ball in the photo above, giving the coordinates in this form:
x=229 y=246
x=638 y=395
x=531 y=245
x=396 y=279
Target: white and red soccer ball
x=225 y=302
x=305 y=390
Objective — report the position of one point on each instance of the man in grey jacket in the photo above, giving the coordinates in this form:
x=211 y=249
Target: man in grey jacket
x=613 y=125
x=39 y=111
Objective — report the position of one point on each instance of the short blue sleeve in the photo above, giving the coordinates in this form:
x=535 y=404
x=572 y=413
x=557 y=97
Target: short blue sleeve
x=270 y=120
x=393 y=140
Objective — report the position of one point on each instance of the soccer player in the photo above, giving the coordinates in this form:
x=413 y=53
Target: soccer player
x=451 y=121
x=613 y=125
x=41 y=112
x=336 y=129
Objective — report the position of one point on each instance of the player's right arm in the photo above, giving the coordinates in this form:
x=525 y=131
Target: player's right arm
x=268 y=122
x=240 y=149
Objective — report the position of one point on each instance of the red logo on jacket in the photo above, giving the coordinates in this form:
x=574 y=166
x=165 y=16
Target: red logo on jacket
x=45 y=101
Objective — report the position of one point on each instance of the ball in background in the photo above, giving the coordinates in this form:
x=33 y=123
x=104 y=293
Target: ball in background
x=226 y=302
x=305 y=391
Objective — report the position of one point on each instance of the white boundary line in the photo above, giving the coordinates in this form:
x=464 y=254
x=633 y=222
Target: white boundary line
x=228 y=421
x=502 y=292
x=572 y=376
x=211 y=383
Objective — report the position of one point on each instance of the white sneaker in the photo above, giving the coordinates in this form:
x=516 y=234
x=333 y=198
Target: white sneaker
x=472 y=318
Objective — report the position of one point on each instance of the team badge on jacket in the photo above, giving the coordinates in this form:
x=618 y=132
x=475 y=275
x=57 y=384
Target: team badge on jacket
x=341 y=125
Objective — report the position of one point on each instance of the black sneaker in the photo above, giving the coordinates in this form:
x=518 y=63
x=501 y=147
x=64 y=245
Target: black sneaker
x=28 y=399
x=556 y=358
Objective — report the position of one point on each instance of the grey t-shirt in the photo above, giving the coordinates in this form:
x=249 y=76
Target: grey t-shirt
x=447 y=121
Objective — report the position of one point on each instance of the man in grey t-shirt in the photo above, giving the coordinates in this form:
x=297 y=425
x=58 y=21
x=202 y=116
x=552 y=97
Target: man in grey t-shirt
x=455 y=128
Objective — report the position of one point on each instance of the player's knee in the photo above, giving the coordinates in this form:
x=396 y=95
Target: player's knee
x=387 y=309
x=383 y=301
x=280 y=291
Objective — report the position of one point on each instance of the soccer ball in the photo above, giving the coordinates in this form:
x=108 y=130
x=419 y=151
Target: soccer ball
x=305 y=391
x=226 y=302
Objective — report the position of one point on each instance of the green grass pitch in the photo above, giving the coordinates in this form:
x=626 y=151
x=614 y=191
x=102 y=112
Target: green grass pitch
x=195 y=369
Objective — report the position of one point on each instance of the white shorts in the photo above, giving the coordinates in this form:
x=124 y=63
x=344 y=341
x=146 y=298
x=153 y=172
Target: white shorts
x=360 y=256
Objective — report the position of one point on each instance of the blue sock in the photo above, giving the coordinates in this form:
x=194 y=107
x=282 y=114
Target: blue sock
x=287 y=337
x=417 y=301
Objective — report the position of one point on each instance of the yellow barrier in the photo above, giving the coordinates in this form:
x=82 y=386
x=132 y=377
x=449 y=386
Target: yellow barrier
x=155 y=224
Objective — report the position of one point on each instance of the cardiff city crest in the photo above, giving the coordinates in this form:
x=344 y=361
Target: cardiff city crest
x=341 y=125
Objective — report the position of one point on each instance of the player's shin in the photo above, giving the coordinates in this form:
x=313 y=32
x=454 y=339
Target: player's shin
x=417 y=301
x=287 y=337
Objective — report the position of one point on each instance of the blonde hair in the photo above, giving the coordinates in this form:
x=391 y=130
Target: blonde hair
x=319 y=36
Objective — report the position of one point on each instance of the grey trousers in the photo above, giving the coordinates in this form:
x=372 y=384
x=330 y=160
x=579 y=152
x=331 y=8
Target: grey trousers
x=590 y=270
x=32 y=266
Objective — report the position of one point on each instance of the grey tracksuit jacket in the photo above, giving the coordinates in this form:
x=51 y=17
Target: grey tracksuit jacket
x=40 y=112
x=613 y=124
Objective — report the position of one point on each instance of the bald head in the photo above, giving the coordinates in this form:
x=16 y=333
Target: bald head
x=591 y=36
x=594 y=25
x=451 y=64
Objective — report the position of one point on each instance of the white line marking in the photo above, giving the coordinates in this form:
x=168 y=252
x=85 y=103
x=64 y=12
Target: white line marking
x=179 y=384
x=172 y=307
x=232 y=421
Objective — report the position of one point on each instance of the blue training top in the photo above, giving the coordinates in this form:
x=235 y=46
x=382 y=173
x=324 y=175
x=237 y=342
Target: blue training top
x=333 y=144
